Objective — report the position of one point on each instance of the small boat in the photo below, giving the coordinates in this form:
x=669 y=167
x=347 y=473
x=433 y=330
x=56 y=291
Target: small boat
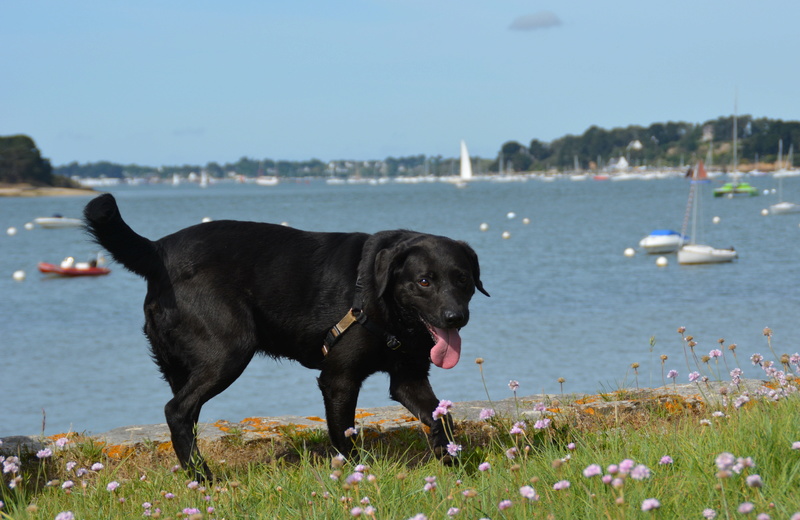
x=784 y=208
x=702 y=254
x=661 y=241
x=692 y=253
x=731 y=189
x=58 y=222
x=69 y=267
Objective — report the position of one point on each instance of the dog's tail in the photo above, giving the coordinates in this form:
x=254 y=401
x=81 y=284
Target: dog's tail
x=104 y=223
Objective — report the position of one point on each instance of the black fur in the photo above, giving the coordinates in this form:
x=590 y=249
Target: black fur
x=220 y=292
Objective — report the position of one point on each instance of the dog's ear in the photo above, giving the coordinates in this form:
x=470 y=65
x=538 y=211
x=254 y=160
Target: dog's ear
x=382 y=270
x=382 y=253
x=476 y=268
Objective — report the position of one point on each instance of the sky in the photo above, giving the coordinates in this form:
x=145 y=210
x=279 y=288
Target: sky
x=156 y=82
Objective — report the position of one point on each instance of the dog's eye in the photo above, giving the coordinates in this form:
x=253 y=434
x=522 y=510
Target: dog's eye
x=424 y=282
x=462 y=278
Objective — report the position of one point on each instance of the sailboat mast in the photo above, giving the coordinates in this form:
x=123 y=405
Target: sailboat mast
x=735 y=134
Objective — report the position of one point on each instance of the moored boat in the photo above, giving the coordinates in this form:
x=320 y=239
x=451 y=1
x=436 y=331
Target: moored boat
x=69 y=267
x=57 y=222
x=661 y=241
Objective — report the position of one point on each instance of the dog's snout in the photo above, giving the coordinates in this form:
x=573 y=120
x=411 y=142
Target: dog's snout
x=455 y=319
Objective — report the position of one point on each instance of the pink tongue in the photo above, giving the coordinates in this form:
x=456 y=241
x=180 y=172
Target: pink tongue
x=447 y=350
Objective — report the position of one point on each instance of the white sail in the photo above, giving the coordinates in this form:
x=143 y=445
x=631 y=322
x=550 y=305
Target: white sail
x=466 y=163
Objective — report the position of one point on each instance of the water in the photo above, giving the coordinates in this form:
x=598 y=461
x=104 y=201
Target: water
x=565 y=301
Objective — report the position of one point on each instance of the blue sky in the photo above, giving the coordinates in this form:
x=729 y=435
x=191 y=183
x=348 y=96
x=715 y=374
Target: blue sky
x=192 y=81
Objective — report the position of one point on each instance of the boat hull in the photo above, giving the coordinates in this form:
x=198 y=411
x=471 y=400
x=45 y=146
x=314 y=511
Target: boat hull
x=784 y=208
x=655 y=244
x=692 y=254
x=57 y=222
x=48 y=268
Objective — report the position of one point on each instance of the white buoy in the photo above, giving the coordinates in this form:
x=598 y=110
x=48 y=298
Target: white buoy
x=506 y=234
x=765 y=212
x=11 y=231
x=629 y=252
x=662 y=261
x=765 y=192
x=18 y=276
x=774 y=191
x=526 y=221
x=484 y=226
x=206 y=219
x=729 y=195
x=29 y=226
x=715 y=220
x=511 y=215
x=285 y=224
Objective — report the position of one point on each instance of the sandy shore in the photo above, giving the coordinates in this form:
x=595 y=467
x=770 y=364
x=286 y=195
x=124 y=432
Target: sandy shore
x=26 y=190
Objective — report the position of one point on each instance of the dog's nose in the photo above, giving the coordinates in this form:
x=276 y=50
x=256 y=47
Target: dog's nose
x=454 y=319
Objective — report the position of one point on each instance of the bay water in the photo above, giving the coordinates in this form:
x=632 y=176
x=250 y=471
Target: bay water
x=566 y=303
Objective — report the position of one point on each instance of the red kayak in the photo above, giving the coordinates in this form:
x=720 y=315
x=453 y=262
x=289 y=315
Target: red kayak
x=75 y=270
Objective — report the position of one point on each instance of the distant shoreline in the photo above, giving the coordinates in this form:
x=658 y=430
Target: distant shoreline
x=26 y=190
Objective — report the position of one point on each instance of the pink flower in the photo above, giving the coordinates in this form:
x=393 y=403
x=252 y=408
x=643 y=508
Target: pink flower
x=709 y=514
x=511 y=453
x=484 y=466
x=486 y=413
x=453 y=511
x=505 y=504
x=67 y=484
x=350 y=432
x=626 y=466
x=193 y=485
x=529 y=493
x=61 y=442
x=97 y=466
x=745 y=507
x=672 y=374
x=592 y=470
x=112 y=485
x=666 y=459
x=514 y=386
x=518 y=428
x=65 y=515
x=453 y=448
x=561 y=484
x=694 y=376
x=796 y=445
x=650 y=504
x=356 y=511
x=715 y=353
x=541 y=424
x=190 y=511
x=754 y=481
x=43 y=454
x=640 y=472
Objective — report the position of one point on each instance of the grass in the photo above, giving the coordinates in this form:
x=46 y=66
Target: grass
x=739 y=458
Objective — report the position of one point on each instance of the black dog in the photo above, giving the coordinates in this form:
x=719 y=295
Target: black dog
x=347 y=304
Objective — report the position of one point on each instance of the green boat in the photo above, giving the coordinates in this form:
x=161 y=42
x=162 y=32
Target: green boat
x=731 y=189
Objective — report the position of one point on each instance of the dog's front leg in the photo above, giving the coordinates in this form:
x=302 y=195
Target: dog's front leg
x=417 y=396
x=340 y=394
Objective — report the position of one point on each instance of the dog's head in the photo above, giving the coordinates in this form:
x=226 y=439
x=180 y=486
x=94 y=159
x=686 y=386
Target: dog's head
x=430 y=280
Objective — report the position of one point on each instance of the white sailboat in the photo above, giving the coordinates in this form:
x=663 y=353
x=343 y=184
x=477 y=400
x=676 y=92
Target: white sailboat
x=465 y=172
x=783 y=207
x=693 y=253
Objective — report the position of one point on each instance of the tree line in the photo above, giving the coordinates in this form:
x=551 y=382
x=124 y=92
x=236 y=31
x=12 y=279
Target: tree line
x=671 y=144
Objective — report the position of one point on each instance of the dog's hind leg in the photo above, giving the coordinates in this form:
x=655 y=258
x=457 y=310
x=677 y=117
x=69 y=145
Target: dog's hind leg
x=183 y=410
x=340 y=394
